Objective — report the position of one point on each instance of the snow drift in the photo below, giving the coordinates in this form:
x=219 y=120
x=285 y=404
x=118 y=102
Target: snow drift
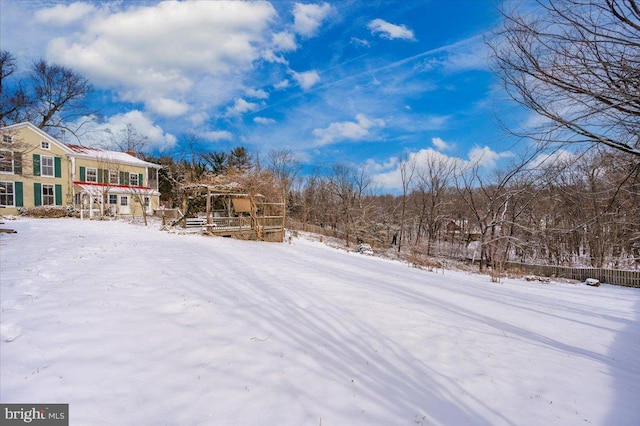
x=132 y=325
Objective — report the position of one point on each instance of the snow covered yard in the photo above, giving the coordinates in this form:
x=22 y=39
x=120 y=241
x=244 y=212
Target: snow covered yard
x=135 y=326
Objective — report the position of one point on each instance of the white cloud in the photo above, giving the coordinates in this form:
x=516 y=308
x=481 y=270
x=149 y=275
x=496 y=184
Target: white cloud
x=217 y=135
x=387 y=174
x=271 y=56
x=257 y=93
x=282 y=85
x=359 y=42
x=97 y=135
x=560 y=156
x=486 y=157
x=264 y=120
x=195 y=50
x=309 y=17
x=429 y=156
x=390 y=31
x=167 y=107
x=284 y=41
x=198 y=118
x=306 y=79
x=64 y=14
x=374 y=168
x=440 y=144
x=241 y=106
x=353 y=130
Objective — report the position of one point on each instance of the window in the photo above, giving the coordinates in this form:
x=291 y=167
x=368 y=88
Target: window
x=113 y=199
x=7 y=139
x=44 y=145
x=133 y=179
x=113 y=177
x=91 y=175
x=146 y=201
x=7 y=194
x=6 y=161
x=124 y=200
x=48 y=197
x=46 y=166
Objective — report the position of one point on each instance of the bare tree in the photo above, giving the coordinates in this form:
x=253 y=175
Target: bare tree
x=7 y=65
x=341 y=185
x=285 y=166
x=575 y=63
x=407 y=168
x=488 y=200
x=433 y=178
x=52 y=97
x=128 y=139
x=59 y=95
x=14 y=101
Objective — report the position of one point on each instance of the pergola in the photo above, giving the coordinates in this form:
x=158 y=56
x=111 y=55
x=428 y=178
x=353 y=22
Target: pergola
x=231 y=211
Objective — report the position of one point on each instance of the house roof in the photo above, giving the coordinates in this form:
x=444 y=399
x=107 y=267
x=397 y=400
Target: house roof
x=111 y=156
x=81 y=151
x=40 y=132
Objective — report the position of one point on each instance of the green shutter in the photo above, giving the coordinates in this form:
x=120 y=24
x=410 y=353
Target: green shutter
x=82 y=174
x=121 y=178
x=18 y=194
x=140 y=179
x=124 y=178
x=105 y=176
x=17 y=163
x=58 y=193
x=37 y=194
x=57 y=167
x=36 y=165
x=99 y=175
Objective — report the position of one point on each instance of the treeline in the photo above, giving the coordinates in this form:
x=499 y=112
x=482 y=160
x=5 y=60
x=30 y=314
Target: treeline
x=580 y=211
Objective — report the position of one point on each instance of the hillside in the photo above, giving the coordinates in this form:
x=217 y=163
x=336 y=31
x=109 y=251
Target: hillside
x=134 y=326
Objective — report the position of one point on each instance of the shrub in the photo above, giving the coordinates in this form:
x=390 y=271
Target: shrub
x=47 y=211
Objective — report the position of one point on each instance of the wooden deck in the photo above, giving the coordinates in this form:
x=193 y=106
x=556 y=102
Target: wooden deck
x=229 y=226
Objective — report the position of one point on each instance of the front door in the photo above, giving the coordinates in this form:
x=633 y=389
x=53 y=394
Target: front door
x=124 y=205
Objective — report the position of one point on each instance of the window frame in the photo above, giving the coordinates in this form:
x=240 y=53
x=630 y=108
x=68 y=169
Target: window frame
x=51 y=196
x=94 y=173
x=45 y=145
x=133 y=177
x=7 y=139
x=7 y=194
x=114 y=177
x=124 y=198
x=113 y=199
x=42 y=166
x=13 y=164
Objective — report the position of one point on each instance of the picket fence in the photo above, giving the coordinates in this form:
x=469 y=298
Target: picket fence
x=609 y=276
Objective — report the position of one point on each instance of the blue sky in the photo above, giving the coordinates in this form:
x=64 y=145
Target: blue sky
x=354 y=82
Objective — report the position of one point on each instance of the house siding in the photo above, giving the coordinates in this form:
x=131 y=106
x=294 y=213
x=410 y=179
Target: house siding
x=61 y=167
x=27 y=176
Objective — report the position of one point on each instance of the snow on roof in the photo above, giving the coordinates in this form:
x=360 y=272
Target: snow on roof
x=113 y=156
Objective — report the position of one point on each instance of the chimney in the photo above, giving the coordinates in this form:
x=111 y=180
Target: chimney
x=131 y=153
